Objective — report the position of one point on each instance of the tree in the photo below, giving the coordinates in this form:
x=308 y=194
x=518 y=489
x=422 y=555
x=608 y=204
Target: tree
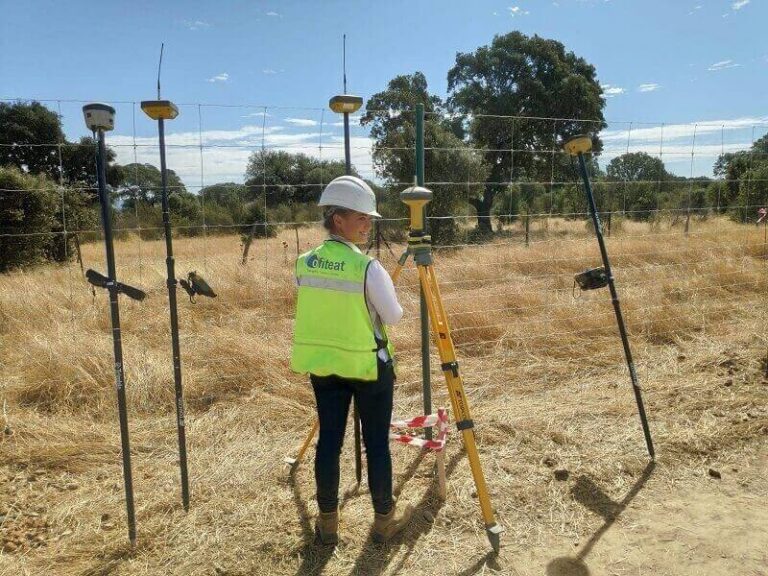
x=390 y=116
x=287 y=177
x=143 y=182
x=78 y=160
x=32 y=219
x=733 y=166
x=29 y=138
x=533 y=79
x=634 y=181
x=447 y=159
x=225 y=204
x=636 y=166
x=24 y=214
x=225 y=193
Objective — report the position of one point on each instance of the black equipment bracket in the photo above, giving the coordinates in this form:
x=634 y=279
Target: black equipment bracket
x=101 y=281
x=591 y=279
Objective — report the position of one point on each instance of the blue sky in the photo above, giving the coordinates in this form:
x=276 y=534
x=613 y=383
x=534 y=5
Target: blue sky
x=681 y=63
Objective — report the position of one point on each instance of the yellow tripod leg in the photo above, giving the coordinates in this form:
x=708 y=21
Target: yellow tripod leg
x=304 y=446
x=399 y=268
x=459 y=401
x=396 y=273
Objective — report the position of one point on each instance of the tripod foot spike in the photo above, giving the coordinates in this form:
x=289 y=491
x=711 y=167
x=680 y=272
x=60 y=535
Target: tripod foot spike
x=494 y=536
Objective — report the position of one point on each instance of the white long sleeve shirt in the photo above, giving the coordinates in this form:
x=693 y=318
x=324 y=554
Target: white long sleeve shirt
x=380 y=297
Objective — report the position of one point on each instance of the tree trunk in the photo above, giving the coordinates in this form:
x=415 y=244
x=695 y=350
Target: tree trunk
x=483 y=208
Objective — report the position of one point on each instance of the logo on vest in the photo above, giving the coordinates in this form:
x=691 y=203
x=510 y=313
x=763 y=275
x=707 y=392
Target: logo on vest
x=315 y=262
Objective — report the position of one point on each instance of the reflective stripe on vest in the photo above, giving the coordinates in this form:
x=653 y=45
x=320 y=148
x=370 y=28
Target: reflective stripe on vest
x=332 y=284
x=333 y=332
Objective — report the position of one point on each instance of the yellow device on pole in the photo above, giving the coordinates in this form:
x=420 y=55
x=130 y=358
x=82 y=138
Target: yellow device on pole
x=160 y=109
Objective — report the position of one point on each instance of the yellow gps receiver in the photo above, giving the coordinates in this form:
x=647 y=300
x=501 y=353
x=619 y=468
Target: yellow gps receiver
x=416 y=197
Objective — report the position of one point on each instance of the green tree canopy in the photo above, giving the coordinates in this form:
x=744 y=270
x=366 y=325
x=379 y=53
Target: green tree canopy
x=225 y=193
x=143 y=182
x=734 y=166
x=32 y=219
x=289 y=177
x=449 y=163
x=636 y=166
x=536 y=80
x=634 y=184
x=79 y=164
x=29 y=138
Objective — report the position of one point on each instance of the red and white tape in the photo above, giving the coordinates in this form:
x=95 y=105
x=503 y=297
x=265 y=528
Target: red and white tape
x=437 y=444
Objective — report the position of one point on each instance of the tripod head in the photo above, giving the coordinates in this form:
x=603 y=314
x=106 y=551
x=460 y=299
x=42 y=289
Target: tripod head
x=416 y=197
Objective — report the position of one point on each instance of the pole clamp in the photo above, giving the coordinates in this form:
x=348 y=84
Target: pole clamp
x=465 y=424
x=452 y=366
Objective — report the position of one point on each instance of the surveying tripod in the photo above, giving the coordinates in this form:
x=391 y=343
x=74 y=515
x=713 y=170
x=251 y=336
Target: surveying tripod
x=420 y=246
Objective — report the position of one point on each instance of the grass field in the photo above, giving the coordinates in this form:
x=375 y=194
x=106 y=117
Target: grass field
x=557 y=426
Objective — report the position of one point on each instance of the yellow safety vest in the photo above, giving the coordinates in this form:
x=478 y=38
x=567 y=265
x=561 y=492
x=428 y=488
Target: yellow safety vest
x=333 y=332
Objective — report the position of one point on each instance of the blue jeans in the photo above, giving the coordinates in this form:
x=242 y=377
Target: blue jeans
x=374 y=404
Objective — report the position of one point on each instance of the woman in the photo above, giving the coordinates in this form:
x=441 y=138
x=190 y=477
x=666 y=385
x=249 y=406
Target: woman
x=345 y=300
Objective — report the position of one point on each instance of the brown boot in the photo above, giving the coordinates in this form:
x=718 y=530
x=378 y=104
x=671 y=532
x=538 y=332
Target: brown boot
x=385 y=526
x=327 y=528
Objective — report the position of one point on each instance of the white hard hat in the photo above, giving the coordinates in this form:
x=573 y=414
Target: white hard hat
x=350 y=192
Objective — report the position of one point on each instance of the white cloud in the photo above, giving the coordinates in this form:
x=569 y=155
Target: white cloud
x=354 y=120
x=739 y=4
x=196 y=24
x=301 y=121
x=274 y=14
x=722 y=65
x=517 y=11
x=261 y=114
x=226 y=152
x=676 y=142
x=677 y=158
x=650 y=87
x=269 y=71
x=610 y=91
x=223 y=77
x=673 y=132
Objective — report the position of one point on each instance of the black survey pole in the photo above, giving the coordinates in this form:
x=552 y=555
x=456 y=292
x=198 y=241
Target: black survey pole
x=171 y=283
x=344 y=104
x=114 y=306
x=162 y=110
x=355 y=411
x=423 y=311
x=347 y=155
x=612 y=288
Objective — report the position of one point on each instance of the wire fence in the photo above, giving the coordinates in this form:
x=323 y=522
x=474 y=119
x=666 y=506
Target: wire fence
x=683 y=270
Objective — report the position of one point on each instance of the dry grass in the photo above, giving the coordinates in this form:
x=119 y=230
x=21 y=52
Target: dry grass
x=543 y=368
